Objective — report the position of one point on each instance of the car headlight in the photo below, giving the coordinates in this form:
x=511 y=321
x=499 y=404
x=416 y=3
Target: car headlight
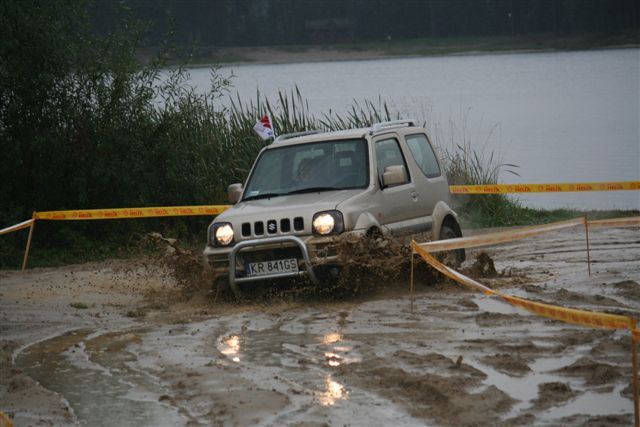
x=223 y=233
x=328 y=222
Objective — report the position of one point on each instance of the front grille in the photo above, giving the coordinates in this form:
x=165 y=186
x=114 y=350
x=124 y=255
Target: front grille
x=258 y=228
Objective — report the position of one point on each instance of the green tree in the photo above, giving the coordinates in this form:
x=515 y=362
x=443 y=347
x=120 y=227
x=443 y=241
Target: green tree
x=83 y=124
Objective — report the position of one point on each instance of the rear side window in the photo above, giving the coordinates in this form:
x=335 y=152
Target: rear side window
x=388 y=154
x=423 y=154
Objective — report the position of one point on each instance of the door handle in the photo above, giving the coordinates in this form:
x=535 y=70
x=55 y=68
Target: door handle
x=414 y=196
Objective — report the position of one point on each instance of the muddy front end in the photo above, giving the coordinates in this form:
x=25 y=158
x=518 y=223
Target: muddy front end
x=279 y=256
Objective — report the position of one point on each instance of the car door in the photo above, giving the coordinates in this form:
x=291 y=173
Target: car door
x=397 y=203
x=429 y=178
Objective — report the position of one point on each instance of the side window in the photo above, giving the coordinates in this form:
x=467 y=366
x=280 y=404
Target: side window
x=388 y=154
x=423 y=154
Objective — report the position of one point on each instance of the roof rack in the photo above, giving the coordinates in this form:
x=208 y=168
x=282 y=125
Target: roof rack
x=377 y=127
x=286 y=136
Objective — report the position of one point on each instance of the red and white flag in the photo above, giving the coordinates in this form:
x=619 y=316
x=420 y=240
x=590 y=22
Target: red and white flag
x=264 y=128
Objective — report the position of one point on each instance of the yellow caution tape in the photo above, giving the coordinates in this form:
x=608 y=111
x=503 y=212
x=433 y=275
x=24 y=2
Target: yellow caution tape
x=499 y=237
x=5 y=421
x=120 y=213
x=522 y=233
x=569 y=315
x=616 y=222
x=24 y=224
x=544 y=188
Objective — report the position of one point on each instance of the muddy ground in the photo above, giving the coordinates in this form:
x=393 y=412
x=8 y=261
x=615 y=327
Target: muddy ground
x=123 y=343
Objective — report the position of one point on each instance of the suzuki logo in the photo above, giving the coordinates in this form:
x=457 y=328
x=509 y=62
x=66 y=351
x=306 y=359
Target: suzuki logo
x=271 y=226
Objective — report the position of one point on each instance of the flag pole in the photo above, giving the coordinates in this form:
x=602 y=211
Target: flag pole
x=273 y=127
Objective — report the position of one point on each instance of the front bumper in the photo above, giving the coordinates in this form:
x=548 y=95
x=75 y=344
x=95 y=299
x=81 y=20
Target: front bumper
x=271 y=240
x=311 y=252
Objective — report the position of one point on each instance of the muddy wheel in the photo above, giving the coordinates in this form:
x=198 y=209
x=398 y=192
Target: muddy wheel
x=455 y=257
x=374 y=233
x=222 y=290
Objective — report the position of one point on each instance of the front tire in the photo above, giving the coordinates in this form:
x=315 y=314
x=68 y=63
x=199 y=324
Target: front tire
x=222 y=289
x=453 y=258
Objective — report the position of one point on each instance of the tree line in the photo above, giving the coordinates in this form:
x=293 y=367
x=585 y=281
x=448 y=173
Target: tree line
x=284 y=22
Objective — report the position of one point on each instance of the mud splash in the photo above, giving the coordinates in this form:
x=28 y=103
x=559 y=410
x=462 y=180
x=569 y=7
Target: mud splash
x=185 y=266
x=483 y=266
x=369 y=265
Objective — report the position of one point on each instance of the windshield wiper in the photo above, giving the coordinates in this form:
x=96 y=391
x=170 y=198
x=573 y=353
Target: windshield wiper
x=313 y=190
x=262 y=196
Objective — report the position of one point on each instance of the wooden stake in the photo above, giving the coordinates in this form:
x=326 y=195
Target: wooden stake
x=26 y=251
x=586 y=231
x=411 y=280
x=636 y=388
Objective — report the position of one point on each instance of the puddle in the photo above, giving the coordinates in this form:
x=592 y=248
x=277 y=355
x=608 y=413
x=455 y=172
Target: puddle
x=299 y=357
x=592 y=403
x=525 y=388
x=275 y=346
x=98 y=385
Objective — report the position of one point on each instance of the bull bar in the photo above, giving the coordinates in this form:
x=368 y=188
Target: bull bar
x=233 y=281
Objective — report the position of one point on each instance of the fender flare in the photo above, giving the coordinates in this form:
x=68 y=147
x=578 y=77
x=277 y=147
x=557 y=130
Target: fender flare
x=366 y=221
x=440 y=213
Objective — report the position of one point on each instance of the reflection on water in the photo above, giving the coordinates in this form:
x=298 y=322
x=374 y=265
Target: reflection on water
x=337 y=352
x=231 y=347
x=331 y=338
x=333 y=392
x=333 y=359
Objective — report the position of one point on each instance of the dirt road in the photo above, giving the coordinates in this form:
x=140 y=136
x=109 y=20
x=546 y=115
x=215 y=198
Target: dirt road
x=121 y=343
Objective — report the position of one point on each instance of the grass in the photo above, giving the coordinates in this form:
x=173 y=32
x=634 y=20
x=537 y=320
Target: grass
x=511 y=213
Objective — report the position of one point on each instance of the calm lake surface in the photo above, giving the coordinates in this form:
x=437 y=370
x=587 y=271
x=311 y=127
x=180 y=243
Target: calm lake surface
x=562 y=117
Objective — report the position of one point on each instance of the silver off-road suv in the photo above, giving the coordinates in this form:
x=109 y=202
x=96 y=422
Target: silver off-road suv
x=306 y=191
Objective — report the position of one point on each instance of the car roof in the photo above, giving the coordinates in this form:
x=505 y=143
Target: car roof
x=356 y=133
x=320 y=136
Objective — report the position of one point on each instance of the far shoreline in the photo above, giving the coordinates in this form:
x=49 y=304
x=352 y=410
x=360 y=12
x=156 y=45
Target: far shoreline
x=373 y=57
x=208 y=56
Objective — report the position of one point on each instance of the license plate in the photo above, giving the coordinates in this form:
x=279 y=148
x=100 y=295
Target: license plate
x=265 y=268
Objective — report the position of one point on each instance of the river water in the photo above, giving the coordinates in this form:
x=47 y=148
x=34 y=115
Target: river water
x=559 y=116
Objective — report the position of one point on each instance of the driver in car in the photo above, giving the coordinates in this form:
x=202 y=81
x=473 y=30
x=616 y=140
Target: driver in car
x=310 y=173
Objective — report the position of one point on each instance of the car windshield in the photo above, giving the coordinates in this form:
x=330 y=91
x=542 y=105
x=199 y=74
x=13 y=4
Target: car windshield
x=302 y=168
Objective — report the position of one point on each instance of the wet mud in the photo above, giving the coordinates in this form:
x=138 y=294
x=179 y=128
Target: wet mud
x=146 y=342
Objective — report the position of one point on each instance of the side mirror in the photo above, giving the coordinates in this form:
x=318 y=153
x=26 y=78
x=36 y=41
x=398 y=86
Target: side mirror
x=394 y=175
x=234 y=191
